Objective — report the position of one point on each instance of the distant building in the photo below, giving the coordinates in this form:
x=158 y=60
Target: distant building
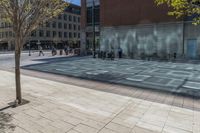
x=63 y=30
x=139 y=27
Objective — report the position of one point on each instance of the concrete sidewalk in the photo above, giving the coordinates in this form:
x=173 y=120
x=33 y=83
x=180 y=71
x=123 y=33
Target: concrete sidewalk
x=61 y=108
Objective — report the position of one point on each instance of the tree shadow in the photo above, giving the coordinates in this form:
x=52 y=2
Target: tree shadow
x=5 y=122
x=6 y=118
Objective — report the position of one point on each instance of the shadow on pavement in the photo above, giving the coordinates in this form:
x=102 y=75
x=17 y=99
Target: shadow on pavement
x=5 y=122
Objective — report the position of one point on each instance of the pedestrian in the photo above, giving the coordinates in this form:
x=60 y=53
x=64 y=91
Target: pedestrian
x=53 y=51
x=40 y=51
x=120 y=52
x=175 y=56
x=66 y=50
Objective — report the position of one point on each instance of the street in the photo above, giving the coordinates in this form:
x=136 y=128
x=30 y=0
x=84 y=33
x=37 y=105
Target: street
x=7 y=59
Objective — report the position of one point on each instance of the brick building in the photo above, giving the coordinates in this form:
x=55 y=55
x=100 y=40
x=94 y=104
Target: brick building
x=139 y=27
x=60 y=31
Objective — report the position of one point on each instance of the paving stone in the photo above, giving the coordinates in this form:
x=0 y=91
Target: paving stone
x=85 y=129
x=73 y=109
x=168 y=129
x=146 y=74
x=118 y=128
x=106 y=130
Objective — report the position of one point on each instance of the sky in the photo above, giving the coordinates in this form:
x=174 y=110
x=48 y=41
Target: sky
x=77 y=2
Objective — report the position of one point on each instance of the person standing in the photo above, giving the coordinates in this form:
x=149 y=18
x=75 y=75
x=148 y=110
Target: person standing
x=120 y=52
x=40 y=51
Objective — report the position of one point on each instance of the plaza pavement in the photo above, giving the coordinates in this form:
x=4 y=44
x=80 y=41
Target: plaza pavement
x=57 y=107
x=183 y=78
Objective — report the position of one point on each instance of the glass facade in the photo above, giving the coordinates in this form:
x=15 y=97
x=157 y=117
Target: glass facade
x=92 y=23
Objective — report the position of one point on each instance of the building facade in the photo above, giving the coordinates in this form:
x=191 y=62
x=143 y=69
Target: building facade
x=143 y=29
x=60 y=31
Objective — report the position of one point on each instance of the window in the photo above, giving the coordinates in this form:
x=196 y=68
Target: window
x=70 y=18
x=74 y=18
x=74 y=27
x=70 y=35
x=47 y=24
x=48 y=34
x=74 y=35
x=79 y=19
x=10 y=33
x=79 y=28
x=65 y=16
x=54 y=34
x=33 y=34
x=54 y=25
x=60 y=34
x=65 y=26
x=70 y=26
x=79 y=35
x=60 y=25
x=41 y=33
x=6 y=34
x=65 y=34
x=90 y=15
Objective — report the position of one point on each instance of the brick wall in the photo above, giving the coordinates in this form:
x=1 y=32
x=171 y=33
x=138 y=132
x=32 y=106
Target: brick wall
x=132 y=12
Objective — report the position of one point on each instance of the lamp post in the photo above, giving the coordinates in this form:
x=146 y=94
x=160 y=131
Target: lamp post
x=93 y=26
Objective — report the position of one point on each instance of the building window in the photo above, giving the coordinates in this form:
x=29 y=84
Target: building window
x=41 y=33
x=90 y=15
x=70 y=18
x=65 y=26
x=54 y=25
x=60 y=25
x=79 y=19
x=60 y=34
x=6 y=34
x=33 y=34
x=47 y=24
x=79 y=35
x=65 y=16
x=70 y=26
x=48 y=34
x=74 y=27
x=70 y=35
x=10 y=33
x=54 y=34
x=74 y=35
x=74 y=18
x=79 y=28
x=65 y=34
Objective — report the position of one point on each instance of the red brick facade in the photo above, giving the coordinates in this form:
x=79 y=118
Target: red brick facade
x=129 y=12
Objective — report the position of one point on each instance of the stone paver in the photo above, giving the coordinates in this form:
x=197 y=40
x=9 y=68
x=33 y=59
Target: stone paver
x=62 y=108
x=181 y=78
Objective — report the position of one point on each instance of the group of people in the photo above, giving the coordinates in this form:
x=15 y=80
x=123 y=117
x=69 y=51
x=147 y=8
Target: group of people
x=67 y=50
x=111 y=54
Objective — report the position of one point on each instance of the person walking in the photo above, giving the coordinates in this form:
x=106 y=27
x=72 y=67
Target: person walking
x=66 y=50
x=40 y=51
x=54 y=52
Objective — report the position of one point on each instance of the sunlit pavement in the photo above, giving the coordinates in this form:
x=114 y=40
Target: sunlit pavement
x=61 y=108
x=181 y=78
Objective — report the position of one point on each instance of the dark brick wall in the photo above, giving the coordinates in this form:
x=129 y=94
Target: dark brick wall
x=132 y=12
x=129 y=12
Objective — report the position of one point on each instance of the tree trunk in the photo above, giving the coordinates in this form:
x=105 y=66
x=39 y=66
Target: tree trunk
x=17 y=72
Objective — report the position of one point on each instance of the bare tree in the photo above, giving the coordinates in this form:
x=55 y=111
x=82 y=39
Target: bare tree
x=25 y=16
